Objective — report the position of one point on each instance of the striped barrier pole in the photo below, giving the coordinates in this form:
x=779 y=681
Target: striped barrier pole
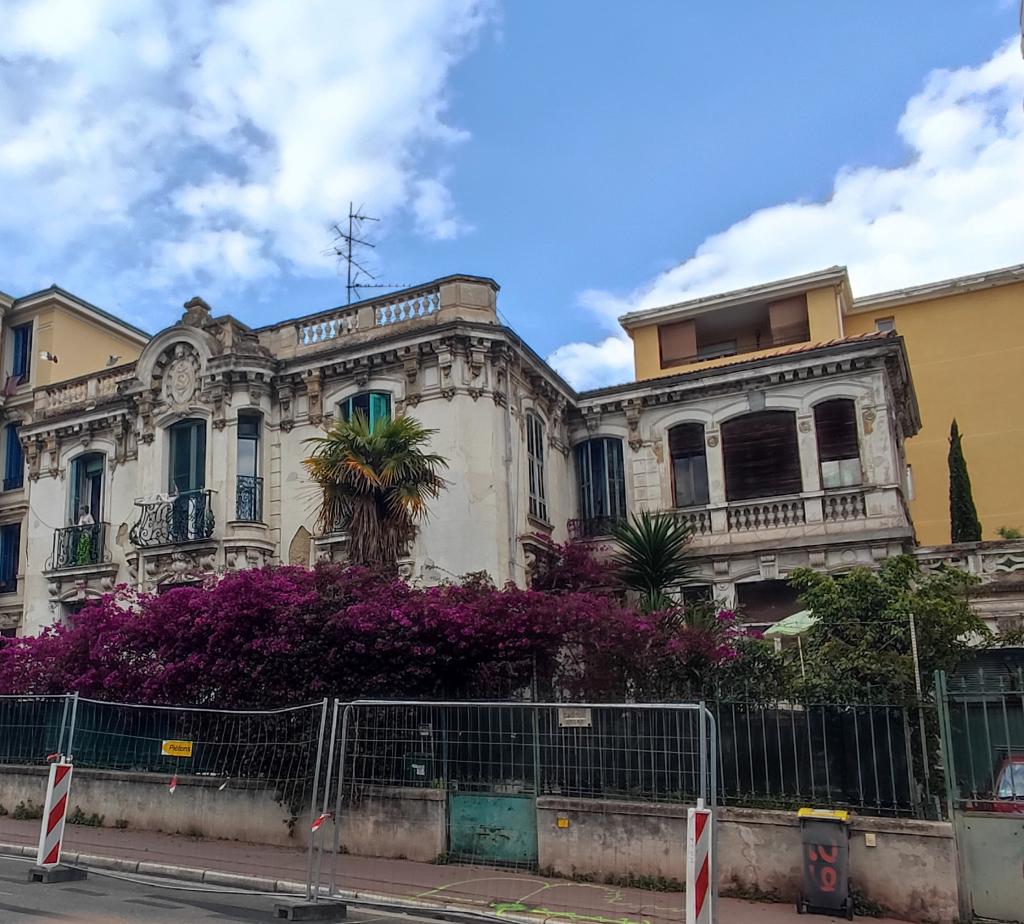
x=699 y=828
x=55 y=810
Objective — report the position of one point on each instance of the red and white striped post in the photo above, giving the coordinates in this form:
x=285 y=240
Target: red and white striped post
x=55 y=810
x=699 y=828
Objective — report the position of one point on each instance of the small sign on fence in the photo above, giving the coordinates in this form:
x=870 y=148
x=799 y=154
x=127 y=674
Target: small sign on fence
x=176 y=748
x=573 y=717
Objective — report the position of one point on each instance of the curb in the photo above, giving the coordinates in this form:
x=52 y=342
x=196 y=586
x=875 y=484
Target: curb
x=444 y=910
x=426 y=907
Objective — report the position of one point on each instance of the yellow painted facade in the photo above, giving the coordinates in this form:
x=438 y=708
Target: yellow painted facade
x=823 y=317
x=965 y=343
x=82 y=345
x=966 y=352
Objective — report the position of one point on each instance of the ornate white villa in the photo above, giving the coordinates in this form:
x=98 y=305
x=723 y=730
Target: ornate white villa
x=188 y=460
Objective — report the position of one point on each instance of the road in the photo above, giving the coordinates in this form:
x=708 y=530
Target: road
x=102 y=899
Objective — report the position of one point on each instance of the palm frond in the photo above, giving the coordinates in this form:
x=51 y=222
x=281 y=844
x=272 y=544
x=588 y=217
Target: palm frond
x=651 y=557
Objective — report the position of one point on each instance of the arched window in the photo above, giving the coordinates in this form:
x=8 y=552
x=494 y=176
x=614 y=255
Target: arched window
x=535 y=458
x=602 y=484
x=85 y=497
x=761 y=455
x=835 y=423
x=373 y=405
x=689 y=465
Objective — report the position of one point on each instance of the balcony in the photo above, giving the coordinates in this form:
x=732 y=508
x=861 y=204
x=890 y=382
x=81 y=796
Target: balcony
x=170 y=519
x=249 y=499
x=79 y=547
x=593 y=527
x=834 y=511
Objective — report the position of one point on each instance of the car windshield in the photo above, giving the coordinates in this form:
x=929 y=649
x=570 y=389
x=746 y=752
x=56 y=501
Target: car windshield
x=1011 y=782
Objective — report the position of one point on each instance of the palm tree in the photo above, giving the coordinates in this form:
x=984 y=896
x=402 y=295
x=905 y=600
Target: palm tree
x=651 y=558
x=376 y=483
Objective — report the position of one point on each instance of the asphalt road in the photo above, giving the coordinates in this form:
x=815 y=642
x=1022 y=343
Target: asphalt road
x=101 y=899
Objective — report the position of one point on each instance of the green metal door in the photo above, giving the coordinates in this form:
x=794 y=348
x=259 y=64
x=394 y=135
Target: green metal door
x=492 y=828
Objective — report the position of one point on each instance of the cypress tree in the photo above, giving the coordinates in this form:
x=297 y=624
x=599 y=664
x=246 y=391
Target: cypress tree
x=964 y=525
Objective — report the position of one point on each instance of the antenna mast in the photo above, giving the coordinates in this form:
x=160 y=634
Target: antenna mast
x=343 y=247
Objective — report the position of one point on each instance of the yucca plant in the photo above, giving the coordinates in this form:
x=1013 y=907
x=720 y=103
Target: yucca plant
x=652 y=558
x=376 y=483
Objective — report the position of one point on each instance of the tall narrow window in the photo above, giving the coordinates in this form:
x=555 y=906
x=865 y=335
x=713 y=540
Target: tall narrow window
x=188 y=456
x=373 y=405
x=10 y=543
x=602 y=485
x=689 y=465
x=14 y=459
x=761 y=455
x=191 y=514
x=21 y=366
x=835 y=423
x=86 y=488
x=535 y=455
x=249 y=485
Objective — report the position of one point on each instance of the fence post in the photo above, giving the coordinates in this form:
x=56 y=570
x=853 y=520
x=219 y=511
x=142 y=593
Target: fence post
x=71 y=729
x=338 y=795
x=312 y=799
x=323 y=811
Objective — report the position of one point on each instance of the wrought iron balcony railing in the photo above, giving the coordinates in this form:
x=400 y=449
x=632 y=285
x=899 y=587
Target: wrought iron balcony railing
x=173 y=518
x=593 y=527
x=249 y=498
x=79 y=547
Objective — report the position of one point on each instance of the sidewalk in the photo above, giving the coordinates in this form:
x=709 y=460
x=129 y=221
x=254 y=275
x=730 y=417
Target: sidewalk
x=513 y=894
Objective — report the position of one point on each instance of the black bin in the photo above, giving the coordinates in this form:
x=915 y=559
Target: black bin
x=825 y=861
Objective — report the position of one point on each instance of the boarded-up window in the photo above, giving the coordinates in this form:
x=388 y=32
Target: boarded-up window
x=689 y=465
x=761 y=455
x=835 y=422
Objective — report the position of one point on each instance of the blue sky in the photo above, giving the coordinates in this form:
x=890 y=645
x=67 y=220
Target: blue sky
x=582 y=153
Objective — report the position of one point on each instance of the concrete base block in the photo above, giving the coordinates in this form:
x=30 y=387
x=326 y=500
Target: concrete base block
x=57 y=873
x=310 y=911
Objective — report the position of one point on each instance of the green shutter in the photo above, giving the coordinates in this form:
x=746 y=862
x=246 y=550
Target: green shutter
x=380 y=407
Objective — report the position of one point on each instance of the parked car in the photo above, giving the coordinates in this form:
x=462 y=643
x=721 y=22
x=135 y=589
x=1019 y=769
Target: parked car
x=1009 y=794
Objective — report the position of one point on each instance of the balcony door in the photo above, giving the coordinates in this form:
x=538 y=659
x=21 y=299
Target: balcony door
x=86 y=488
x=189 y=515
x=188 y=456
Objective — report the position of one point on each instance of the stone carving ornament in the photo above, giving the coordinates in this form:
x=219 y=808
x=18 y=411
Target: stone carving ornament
x=182 y=376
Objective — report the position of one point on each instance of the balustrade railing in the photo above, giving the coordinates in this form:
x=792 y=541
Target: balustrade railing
x=697 y=518
x=849 y=505
x=78 y=547
x=766 y=514
x=173 y=518
x=408 y=307
x=327 y=327
x=249 y=498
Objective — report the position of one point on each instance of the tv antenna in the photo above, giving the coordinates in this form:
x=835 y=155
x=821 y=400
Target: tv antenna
x=344 y=248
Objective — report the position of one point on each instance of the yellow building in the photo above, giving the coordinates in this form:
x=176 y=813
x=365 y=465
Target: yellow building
x=47 y=337
x=965 y=341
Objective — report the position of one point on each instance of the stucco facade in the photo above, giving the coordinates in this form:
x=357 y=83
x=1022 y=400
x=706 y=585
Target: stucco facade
x=191 y=457
x=965 y=341
x=45 y=337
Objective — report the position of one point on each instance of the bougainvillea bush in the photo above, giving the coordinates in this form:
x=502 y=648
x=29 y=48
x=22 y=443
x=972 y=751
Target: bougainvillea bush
x=285 y=635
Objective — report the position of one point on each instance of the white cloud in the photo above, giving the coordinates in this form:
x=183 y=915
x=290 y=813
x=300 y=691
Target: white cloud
x=205 y=139
x=955 y=207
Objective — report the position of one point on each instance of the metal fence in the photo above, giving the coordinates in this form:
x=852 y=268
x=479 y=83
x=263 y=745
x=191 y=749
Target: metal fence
x=495 y=785
x=866 y=757
x=33 y=728
x=984 y=735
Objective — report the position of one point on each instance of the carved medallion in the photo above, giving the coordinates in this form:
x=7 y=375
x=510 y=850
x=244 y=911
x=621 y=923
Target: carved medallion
x=182 y=376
